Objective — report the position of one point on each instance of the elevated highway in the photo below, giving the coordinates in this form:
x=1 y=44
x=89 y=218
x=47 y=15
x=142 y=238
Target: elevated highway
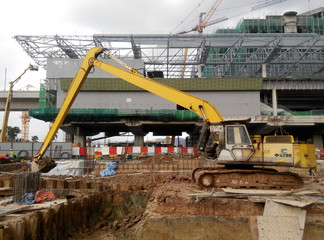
x=22 y=100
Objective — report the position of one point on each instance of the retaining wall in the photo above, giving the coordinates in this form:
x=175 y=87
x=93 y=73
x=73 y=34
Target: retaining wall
x=59 y=221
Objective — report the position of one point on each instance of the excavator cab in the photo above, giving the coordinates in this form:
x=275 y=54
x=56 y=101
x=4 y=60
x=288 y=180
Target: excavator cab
x=227 y=141
x=238 y=145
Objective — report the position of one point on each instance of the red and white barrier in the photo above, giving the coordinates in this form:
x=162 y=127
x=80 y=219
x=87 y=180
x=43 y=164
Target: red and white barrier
x=113 y=151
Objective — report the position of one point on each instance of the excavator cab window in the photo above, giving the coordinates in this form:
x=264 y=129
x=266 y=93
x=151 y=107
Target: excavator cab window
x=237 y=135
x=238 y=142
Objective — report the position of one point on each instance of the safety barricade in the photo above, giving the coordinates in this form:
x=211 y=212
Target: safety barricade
x=133 y=151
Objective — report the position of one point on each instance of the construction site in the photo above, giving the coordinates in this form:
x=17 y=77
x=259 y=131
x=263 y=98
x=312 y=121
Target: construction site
x=238 y=121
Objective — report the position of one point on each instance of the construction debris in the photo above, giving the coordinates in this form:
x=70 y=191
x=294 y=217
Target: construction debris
x=6 y=191
x=12 y=209
x=253 y=192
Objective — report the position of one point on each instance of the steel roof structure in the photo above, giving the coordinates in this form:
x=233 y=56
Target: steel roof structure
x=217 y=55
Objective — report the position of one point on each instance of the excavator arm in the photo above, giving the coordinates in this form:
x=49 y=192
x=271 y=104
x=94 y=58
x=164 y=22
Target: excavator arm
x=201 y=107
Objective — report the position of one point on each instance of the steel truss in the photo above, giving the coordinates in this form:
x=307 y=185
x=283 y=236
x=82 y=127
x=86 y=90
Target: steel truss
x=217 y=55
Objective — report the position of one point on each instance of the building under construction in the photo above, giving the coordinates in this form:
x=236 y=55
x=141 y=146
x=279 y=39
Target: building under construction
x=274 y=78
x=270 y=70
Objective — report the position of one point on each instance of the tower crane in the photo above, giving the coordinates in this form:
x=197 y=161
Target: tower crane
x=203 y=23
x=206 y=21
x=25 y=119
x=9 y=101
x=200 y=27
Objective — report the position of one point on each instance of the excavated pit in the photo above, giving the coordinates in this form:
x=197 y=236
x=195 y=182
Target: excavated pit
x=166 y=212
x=142 y=206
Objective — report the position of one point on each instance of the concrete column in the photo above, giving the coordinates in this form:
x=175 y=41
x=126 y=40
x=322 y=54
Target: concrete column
x=290 y=22
x=274 y=102
x=139 y=140
x=266 y=101
x=264 y=70
x=69 y=137
x=80 y=139
x=199 y=71
x=137 y=129
x=318 y=141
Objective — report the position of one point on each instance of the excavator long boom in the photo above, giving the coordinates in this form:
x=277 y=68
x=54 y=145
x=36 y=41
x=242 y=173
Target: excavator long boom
x=201 y=107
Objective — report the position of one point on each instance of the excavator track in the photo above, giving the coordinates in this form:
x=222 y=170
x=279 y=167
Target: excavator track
x=249 y=178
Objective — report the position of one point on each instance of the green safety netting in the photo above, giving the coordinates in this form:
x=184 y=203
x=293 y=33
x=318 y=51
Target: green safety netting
x=107 y=115
x=274 y=24
x=47 y=99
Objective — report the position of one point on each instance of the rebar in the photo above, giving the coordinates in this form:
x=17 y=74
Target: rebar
x=25 y=183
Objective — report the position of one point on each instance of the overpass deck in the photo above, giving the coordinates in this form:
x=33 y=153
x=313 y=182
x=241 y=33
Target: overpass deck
x=22 y=100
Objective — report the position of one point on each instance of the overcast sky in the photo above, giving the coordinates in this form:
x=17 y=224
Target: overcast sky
x=81 y=17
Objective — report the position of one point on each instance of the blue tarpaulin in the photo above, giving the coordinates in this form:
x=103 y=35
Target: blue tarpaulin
x=109 y=171
x=28 y=198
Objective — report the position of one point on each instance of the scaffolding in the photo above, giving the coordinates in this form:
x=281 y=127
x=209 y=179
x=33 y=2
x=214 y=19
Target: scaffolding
x=237 y=52
x=219 y=55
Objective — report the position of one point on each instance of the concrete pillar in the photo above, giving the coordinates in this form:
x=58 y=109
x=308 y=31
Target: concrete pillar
x=290 y=22
x=69 y=137
x=80 y=139
x=264 y=70
x=199 y=71
x=274 y=102
x=137 y=129
x=266 y=101
x=139 y=140
x=318 y=141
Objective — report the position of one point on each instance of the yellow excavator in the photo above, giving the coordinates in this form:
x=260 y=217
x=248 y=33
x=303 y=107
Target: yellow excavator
x=245 y=162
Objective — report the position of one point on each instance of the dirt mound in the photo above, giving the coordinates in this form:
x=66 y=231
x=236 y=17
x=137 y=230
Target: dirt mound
x=162 y=158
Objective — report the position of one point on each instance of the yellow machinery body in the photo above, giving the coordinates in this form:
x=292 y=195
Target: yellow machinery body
x=304 y=156
x=281 y=150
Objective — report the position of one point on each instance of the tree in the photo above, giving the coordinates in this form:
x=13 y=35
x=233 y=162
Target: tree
x=12 y=132
x=34 y=138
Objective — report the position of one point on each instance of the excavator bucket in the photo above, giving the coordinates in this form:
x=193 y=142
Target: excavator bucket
x=43 y=165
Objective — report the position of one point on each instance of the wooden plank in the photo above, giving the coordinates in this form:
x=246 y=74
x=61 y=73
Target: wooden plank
x=217 y=195
x=257 y=199
x=6 y=189
x=8 y=210
x=255 y=192
x=293 y=203
x=307 y=192
x=6 y=200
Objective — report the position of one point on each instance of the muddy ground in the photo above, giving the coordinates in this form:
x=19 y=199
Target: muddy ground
x=170 y=202
x=148 y=206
